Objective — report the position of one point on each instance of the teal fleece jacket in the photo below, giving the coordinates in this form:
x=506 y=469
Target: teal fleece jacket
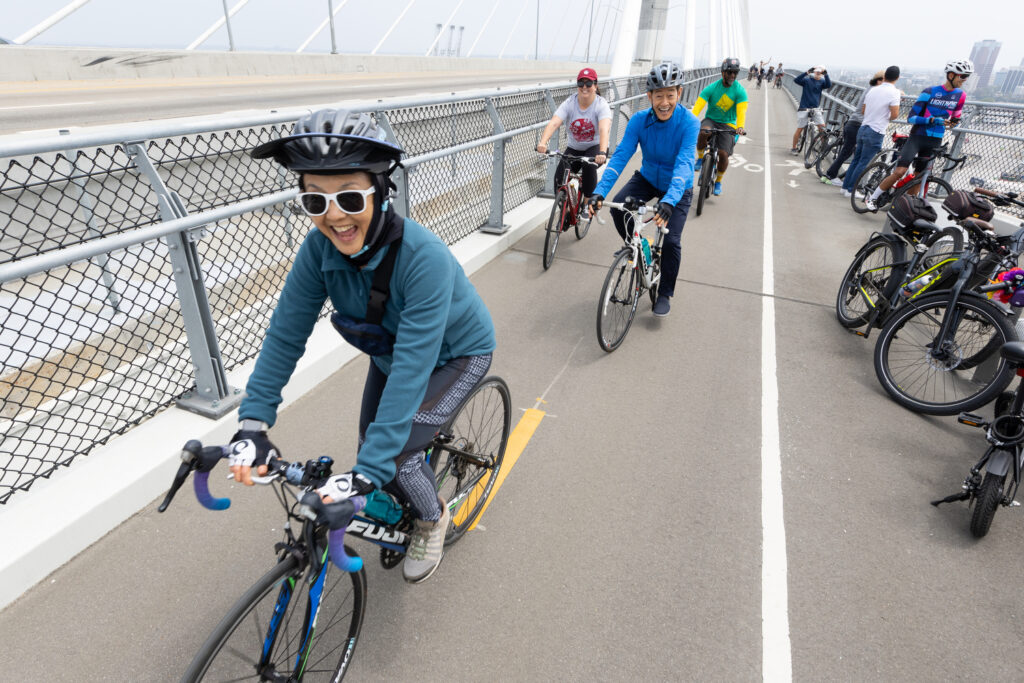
x=433 y=310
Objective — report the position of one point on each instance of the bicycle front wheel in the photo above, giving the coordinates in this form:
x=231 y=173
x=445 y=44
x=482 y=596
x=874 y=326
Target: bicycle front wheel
x=929 y=375
x=554 y=229
x=819 y=143
x=271 y=618
x=868 y=181
x=987 y=501
x=582 y=223
x=704 y=181
x=869 y=281
x=619 y=297
x=466 y=468
x=936 y=190
x=829 y=156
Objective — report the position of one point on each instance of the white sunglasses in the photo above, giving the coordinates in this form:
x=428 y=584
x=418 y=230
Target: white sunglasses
x=347 y=201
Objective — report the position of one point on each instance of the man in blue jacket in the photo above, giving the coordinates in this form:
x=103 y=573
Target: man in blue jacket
x=667 y=136
x=813 y=82
x=428 y=333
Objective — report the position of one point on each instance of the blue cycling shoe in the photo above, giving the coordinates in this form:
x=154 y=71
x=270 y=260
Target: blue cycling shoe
x=696 y=166
x=718 y=189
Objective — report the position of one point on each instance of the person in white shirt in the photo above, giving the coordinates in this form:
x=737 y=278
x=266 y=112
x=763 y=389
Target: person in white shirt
x=881 y=105
x=588 y=116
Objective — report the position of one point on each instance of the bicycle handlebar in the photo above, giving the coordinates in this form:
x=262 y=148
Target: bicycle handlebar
x=1000 y=197
x=555 y=153
x=335 y=516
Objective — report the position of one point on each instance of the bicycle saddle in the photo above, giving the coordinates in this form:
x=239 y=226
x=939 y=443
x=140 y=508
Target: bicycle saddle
x=1013 y=352
x=979 y=224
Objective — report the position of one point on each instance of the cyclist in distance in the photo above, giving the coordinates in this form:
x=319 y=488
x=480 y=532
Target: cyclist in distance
x=937 y=108
x=399 y=295
x=813 y=82
x=588 y=114
x=726 y=101
x=667 y=136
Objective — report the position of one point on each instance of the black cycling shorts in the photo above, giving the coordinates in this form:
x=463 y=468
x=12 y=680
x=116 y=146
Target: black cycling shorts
x=726 y=134
x=917 y=146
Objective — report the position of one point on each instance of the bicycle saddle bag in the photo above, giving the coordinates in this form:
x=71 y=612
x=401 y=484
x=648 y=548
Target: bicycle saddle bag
x=368 y=335
x=963 y=204
x=906 y=210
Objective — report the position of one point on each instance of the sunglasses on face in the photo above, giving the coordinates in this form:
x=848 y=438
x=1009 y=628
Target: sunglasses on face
x=348 y=201
x=584 y=83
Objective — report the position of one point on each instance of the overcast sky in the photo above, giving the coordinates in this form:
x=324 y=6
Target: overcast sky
x=865 y=33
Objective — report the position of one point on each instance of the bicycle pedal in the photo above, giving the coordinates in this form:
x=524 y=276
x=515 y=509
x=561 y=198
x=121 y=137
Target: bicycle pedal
x=971 y=420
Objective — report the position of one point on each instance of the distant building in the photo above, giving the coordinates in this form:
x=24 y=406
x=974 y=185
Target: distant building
x=1013 y=79
x=984 y=57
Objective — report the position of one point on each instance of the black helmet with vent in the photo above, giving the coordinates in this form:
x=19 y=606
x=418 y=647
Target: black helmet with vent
x=333 y=140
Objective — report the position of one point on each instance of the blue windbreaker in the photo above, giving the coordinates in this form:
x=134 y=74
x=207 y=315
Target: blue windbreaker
x=668 y=149
x=433 y=310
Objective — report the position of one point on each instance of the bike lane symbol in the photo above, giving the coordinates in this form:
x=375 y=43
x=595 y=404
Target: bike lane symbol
x=797 y=167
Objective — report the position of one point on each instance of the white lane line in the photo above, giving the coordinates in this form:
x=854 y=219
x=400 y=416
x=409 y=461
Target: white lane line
x=776 y=655
x=40 y=106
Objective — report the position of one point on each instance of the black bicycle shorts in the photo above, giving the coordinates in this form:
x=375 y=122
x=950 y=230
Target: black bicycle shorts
x=726 y=134
x=917 y=146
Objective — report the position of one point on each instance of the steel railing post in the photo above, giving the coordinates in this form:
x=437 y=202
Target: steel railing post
x=85 y=202
x=212 y=397
x=495 y=224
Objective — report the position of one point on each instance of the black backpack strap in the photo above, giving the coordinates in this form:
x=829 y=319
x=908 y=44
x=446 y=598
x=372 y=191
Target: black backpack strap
x=380 y=290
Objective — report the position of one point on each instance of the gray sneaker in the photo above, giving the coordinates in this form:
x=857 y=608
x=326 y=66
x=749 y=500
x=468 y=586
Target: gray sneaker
x=426 y=547
x=662 y=307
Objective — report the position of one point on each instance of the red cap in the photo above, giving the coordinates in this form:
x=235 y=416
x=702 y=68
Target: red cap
x=587 y=73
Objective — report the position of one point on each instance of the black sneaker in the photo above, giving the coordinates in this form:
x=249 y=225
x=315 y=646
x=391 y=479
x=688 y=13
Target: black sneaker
x=662 y=306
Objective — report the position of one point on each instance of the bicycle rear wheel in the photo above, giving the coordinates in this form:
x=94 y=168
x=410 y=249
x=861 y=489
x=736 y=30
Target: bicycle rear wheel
x=479 y=430
x=942 y=383
x=986 y=502
x=871 y=280
x=234 y=651
x=554 y=229
x=868 y=181
x=619 y=297
x=936 y=191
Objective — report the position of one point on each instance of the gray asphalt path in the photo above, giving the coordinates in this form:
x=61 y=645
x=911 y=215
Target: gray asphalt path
x=626 y=541
x=51 y=104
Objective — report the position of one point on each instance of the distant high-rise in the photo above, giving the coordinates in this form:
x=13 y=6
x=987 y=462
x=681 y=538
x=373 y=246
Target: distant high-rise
x=984 y=57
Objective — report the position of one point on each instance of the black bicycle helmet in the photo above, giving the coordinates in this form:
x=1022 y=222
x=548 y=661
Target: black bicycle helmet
x=333 y=140
x=731 y=64
x=664 y=75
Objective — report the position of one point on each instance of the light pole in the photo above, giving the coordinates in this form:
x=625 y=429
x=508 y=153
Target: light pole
x=590 y=31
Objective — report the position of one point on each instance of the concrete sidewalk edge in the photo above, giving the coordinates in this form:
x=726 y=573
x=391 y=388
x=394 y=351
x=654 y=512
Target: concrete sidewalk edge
x=65 y=514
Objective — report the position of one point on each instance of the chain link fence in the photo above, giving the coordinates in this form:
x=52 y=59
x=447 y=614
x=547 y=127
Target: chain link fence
x=137 y=269
x=990 y=135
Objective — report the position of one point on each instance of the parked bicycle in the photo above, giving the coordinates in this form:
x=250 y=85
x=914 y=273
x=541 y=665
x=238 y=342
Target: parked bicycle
x=939 y=354
x=806 y=135
x=635 y=268
x=880 y=166
x=278 y=632
x=569 y=208
x=920 y=181
x=825 y=139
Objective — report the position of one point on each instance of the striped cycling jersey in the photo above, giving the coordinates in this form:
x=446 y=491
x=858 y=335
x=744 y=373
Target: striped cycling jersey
x=940 y=103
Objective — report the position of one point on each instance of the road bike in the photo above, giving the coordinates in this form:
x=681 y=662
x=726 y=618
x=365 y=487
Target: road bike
x=823 y=139
x=635 y=268
x=938 y=354
x=279 y=632
x=920 y=181
x=568 y=209
x=805 y=135
x=708 y=169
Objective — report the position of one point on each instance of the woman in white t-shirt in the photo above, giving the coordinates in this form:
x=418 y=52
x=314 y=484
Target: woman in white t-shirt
x=589 y=121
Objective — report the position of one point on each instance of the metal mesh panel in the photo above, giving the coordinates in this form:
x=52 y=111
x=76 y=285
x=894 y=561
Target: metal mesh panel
x=436 y=126
x=88 y=350
x=452 y=194
x=53 y=201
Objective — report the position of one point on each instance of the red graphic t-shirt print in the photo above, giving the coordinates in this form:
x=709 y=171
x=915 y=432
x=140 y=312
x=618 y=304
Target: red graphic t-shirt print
x=582 y=130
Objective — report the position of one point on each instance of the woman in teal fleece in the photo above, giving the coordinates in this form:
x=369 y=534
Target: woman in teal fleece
x=431 y=346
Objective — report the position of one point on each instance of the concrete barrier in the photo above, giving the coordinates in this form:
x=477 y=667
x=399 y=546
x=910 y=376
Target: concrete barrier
x=25 y=63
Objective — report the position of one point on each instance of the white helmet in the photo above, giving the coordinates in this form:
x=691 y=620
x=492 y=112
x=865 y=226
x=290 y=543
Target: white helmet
x=962 y=67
